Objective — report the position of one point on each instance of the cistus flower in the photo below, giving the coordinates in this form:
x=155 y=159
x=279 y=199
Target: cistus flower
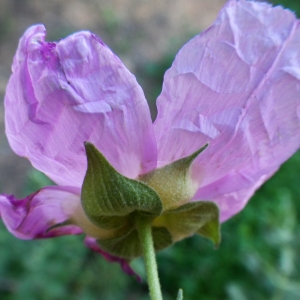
x=235 y=87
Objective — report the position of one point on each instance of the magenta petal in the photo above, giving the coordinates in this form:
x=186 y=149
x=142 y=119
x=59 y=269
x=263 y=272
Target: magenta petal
x=236 y=87
x=33 y=216
x=63 y=94
x=92 y=244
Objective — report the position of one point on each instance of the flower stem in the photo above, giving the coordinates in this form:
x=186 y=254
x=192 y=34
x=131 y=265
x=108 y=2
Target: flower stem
x=145 y=234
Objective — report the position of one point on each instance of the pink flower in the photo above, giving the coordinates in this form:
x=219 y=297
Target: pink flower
x=236 y=86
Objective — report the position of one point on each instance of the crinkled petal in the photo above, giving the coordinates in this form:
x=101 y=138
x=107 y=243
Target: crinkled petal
x=233 y=190
x=63 y=94
x=93 y=245
x=33 y=216
x=237 y=87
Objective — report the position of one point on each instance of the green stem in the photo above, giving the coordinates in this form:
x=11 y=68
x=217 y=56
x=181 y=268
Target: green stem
x=145 y=234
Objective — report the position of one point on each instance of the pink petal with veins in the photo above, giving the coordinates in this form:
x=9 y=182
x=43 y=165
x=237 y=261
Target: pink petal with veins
x=63 y=94
x=236 y=86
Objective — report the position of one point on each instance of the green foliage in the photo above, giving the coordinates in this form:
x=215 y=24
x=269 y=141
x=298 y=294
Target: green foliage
x=150 y=76
x=35 y=180
x=60 y=268
x=110 y=19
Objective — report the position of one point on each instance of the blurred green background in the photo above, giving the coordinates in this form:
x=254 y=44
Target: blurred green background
x=258 y=257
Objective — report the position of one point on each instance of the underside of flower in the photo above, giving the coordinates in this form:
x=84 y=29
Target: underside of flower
x=114 y=204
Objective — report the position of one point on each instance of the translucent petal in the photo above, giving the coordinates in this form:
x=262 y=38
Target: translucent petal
x=63 y=94
x=236 y=87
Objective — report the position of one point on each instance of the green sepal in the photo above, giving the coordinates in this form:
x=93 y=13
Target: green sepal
x=200 y=217
x=108 y=198
x=212 y=231
x=111 y=222
x=184 y=163
x=172 y=182
x=128 y=246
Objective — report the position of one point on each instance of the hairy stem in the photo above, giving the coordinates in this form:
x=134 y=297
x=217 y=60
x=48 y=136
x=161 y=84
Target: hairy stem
x=145 y=234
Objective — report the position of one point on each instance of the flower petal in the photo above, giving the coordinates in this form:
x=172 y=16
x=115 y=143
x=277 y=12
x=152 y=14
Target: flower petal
x=93 y=245
x=233 y=190
x=63 y=94
x=236 y=87
x=33 y=216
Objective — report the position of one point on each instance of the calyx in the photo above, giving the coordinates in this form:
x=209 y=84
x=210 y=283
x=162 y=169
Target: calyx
x=113 y=203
